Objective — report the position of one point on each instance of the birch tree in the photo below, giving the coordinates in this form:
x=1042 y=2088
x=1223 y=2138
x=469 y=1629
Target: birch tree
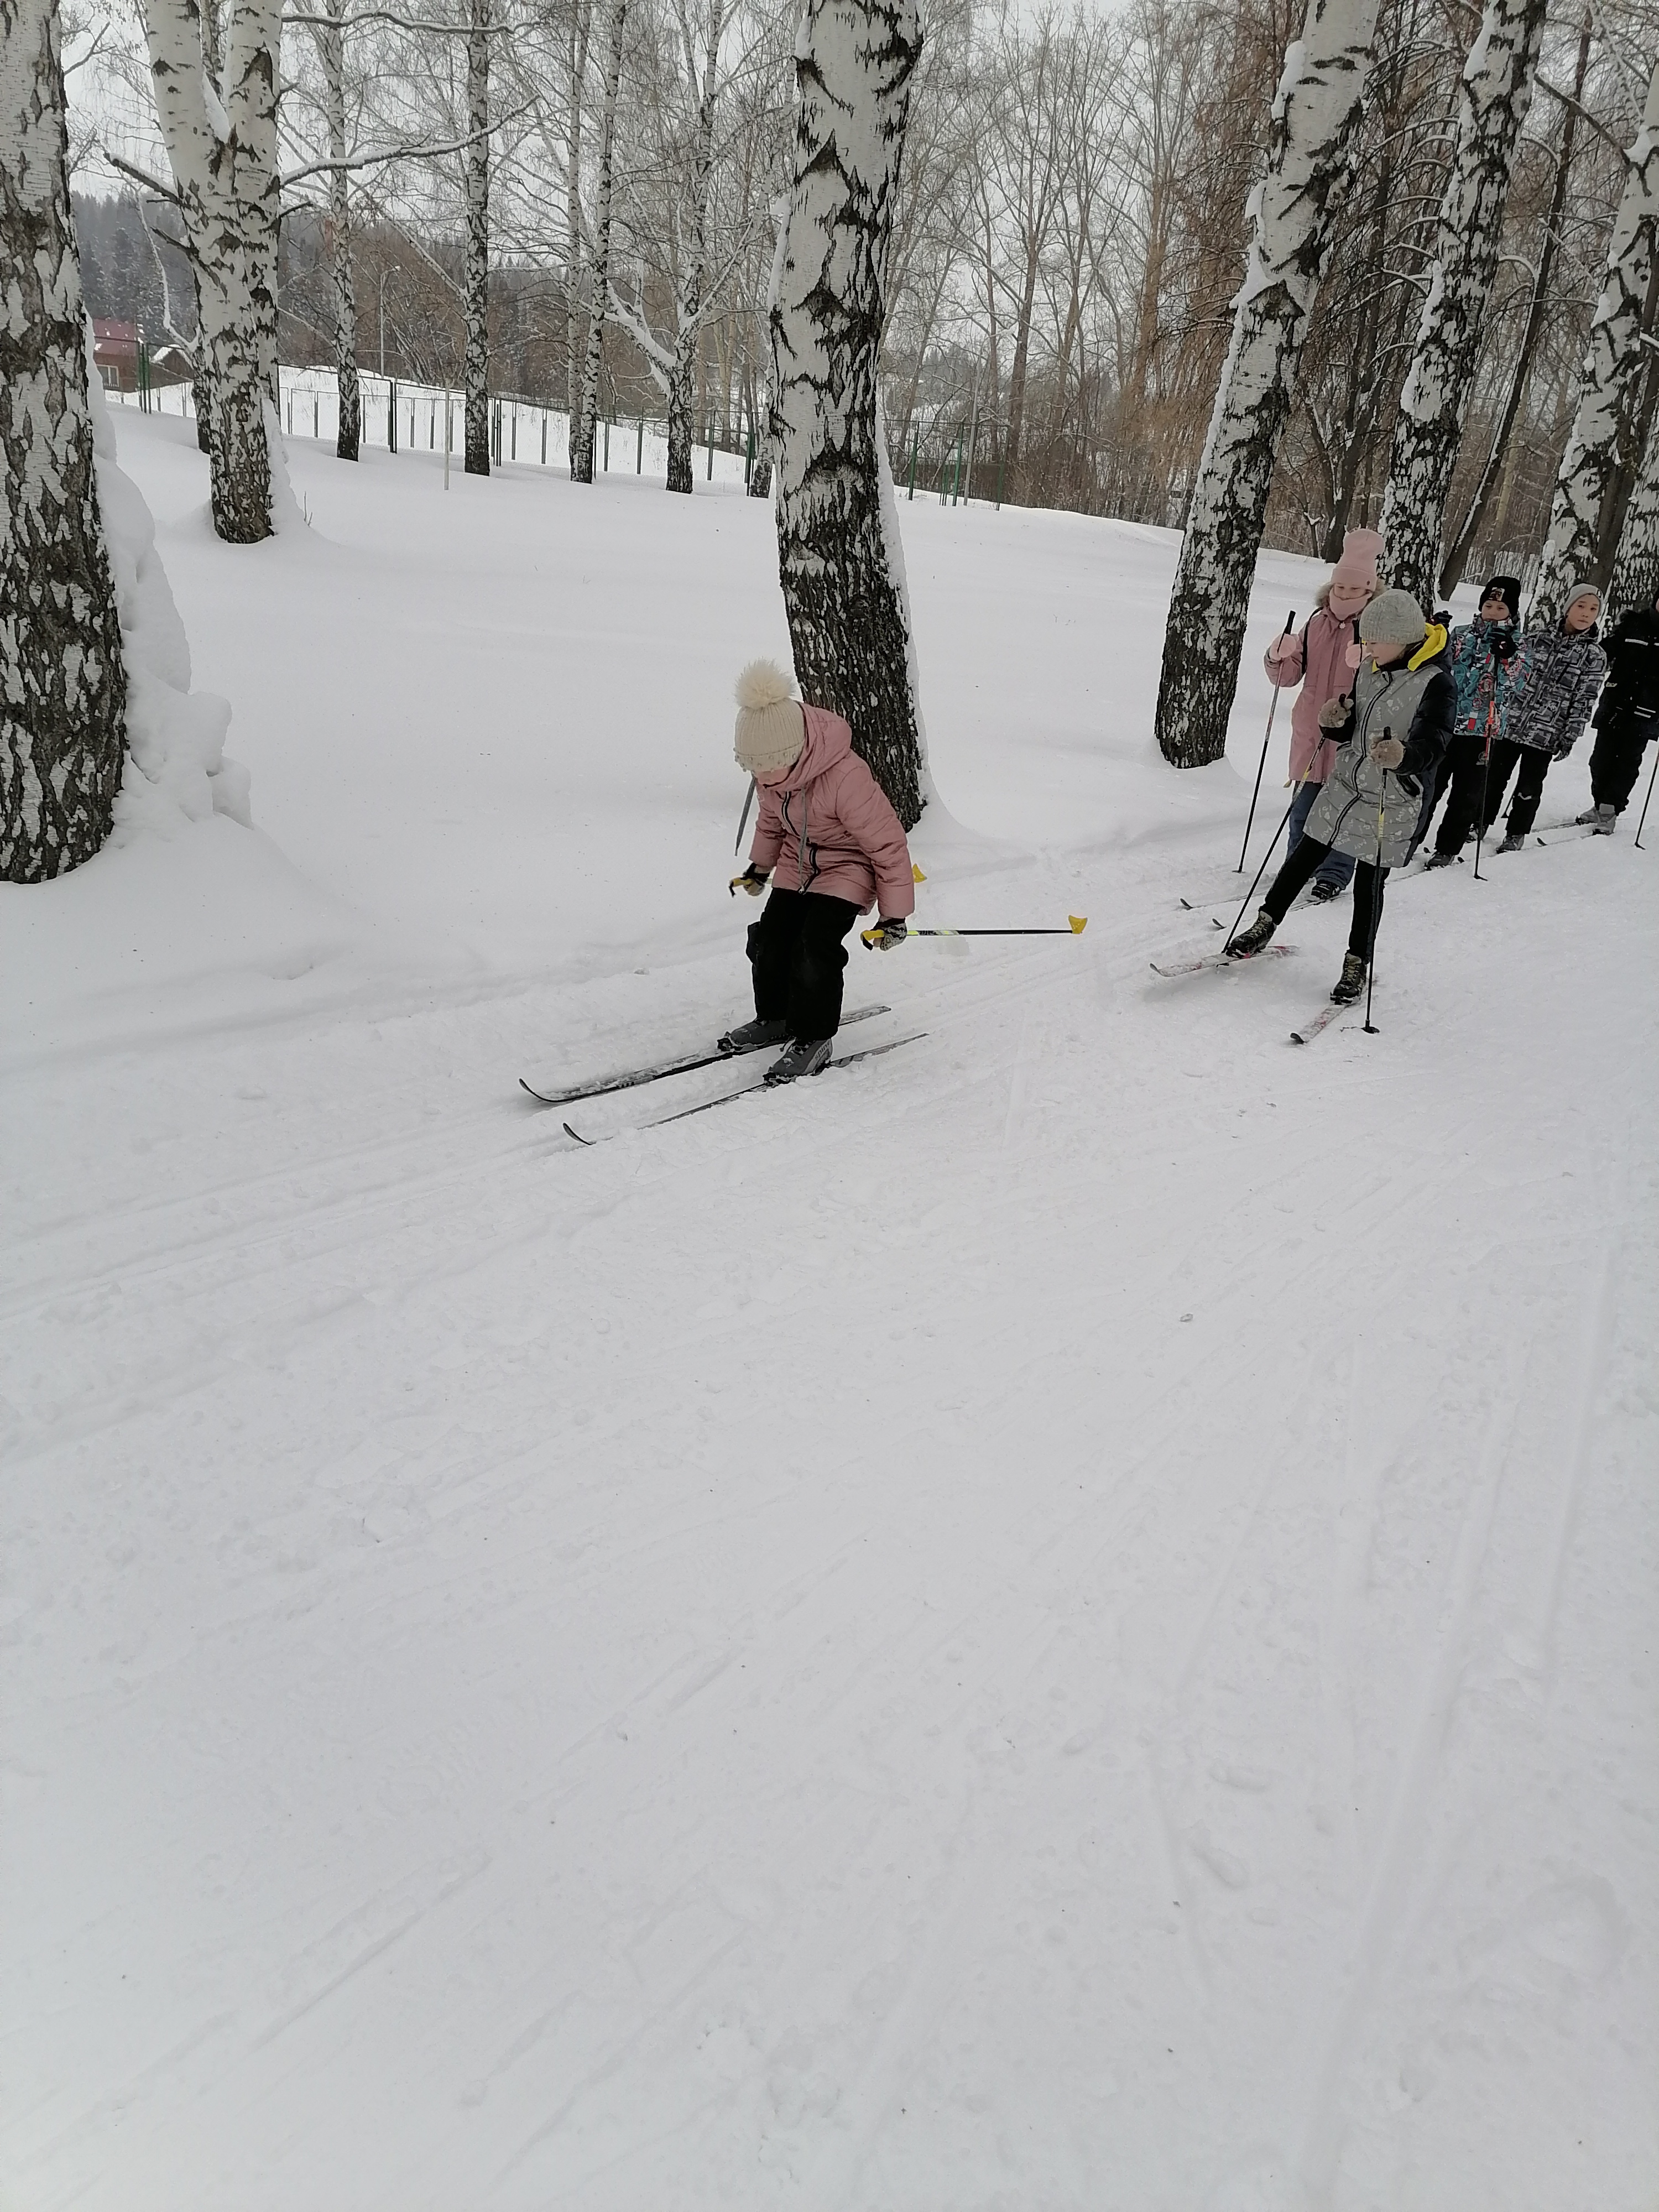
x=673 y=365
x=476 y=372
x=1605 y=427
x=221 y=137
x=1494 y=96
x=1315 y=111
x=1636 y=562
x=329 y=33
x=62 y=680
x=1457 y=553
x=585 y=416
x=854 y=60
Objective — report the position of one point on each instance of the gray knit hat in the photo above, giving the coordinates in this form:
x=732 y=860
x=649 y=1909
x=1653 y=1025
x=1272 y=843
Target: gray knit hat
x=1575 y=591
x=1393 y=618
x=771 y=728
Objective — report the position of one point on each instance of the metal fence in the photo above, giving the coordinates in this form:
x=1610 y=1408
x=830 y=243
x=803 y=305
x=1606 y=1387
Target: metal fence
x=402 y=417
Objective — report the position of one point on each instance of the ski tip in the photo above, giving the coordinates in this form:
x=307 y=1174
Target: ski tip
x=917 y=876
x=1187 y=904
x=576 y=1134
x=1079 y=922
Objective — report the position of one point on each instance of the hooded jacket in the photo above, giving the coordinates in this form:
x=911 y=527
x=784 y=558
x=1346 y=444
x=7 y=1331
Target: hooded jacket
x=1317 y=662
x=1488 y=682
x=1415 y=699
x=1564 y=673
x=828 y=826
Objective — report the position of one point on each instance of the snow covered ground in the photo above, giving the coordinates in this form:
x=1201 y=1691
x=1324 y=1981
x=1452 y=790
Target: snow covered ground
x=1062 y=1619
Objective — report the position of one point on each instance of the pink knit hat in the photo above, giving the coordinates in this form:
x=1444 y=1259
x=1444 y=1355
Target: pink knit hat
x=1358 y=566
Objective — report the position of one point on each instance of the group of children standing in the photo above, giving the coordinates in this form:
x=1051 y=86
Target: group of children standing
x=1394 y=716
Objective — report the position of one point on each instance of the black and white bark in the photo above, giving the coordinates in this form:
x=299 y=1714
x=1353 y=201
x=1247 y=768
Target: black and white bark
x=330 y=36
x=221 y=137
x=62 y=681
x=855 y=61
x=1291 y=213
x=1457 y=552
x=1606 y=427
x=476 y=369
x=1494 y=94
x=1635 y=581
x=584 y=421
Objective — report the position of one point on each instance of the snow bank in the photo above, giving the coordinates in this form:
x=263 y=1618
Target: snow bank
x=176 y=770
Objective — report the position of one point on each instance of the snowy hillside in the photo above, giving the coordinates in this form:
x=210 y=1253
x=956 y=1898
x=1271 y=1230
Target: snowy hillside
x=1063 y=1618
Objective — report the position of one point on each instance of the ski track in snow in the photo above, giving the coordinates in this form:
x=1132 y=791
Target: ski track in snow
x=1061 y=1620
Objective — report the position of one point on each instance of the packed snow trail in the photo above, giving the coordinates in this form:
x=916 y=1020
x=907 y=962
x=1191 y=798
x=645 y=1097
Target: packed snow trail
x=1064 y=1622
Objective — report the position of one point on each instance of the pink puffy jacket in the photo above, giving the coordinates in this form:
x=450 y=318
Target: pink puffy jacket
x=827 y=827
x=1318 y=663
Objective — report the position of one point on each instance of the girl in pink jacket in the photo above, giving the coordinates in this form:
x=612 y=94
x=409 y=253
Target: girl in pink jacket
x=1317 y=661
x=833 y=846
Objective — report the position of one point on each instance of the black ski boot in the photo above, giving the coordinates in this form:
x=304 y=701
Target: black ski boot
x=1351 y=980
x=1438 y=860
x=1250 y=941
x=1514 y=841
x=1322 y=892
x=806 y=1056
x=749 y=1036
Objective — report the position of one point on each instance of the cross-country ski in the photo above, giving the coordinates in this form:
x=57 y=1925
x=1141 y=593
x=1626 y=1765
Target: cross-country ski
x=744 y=1090
x=704 y=1506
x=662 y=1069
x=1194 y=967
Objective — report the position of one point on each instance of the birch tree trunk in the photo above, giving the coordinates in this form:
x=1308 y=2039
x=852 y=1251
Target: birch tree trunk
x=1636 y=564
x=1451 y=567
x=222 y=140
x=584 y=421
x=330 y=53
x=475 y=372
x=62 y=680
x=855 y=60
x=1609 y=383
x=580 y=26
x=1315 y=111
x=1493 y=98
x=694 y=244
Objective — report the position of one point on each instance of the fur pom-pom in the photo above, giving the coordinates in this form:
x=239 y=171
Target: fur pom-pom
x=763 y=684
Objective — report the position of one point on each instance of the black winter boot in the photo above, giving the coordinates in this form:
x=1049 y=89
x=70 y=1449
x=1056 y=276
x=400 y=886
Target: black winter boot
x=750 y=1036
x=806 y=1056
x=1352 y=982
x=1250 y=941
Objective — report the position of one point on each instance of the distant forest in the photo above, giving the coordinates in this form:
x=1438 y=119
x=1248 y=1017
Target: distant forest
x=132 y=274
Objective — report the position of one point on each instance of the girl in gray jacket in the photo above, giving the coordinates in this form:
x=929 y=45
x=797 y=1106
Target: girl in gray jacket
x=1393 y=731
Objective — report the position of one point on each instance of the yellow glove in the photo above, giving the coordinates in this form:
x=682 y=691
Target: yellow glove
x=752 y=880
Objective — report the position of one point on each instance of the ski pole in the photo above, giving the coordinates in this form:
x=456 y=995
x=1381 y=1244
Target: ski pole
x=1273 y=708
x=1268 y=855
x=1377 y=903
x=1079 y=922
x=1648 y=800
x=743 y=819
x=1485 y=775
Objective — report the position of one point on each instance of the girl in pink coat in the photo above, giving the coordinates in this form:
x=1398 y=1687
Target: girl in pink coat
x=1317 y=661
x=833 y=846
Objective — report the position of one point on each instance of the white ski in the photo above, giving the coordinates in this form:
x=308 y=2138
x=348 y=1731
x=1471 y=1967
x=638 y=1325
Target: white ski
x=1219 y=960
x=1322 y=1020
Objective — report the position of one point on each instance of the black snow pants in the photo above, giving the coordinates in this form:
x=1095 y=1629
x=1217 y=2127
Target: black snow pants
x=1472 y=779
x=799 y=957
x=1368 y=881
x=1617 y=762
x=1528 y=785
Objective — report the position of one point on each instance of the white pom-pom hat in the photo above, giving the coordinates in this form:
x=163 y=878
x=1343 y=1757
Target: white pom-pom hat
x=771 y=728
